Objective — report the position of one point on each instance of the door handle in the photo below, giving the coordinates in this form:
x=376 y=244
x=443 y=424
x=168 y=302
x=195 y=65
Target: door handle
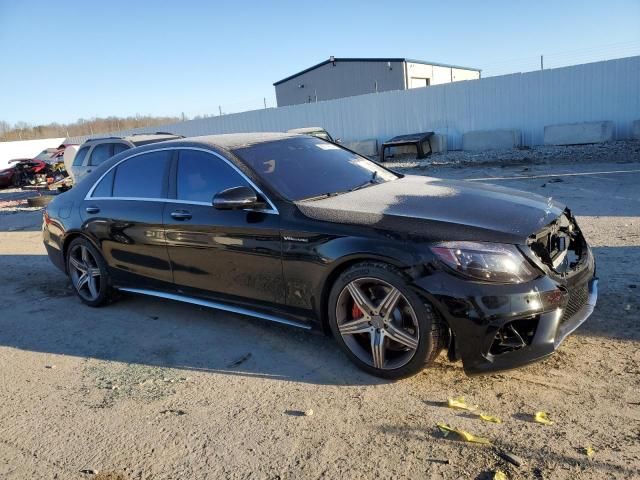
x=89 y=171
x=181 y=215
x=92 y=209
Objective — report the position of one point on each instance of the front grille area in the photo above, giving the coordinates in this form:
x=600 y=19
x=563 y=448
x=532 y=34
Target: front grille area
x=560 y=245
x=578 y=297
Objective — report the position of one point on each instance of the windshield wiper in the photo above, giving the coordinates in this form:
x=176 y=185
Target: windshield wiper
x=368 y=183
x=319 y=197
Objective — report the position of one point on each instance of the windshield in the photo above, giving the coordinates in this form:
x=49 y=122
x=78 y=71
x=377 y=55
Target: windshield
x=304 y=167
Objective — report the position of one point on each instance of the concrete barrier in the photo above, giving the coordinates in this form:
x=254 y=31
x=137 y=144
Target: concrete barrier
x=364 y=147
x=491 y=140
x=635 y=130
x=578 y=133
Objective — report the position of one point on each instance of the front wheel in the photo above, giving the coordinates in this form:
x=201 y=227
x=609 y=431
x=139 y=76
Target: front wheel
x=383 y=326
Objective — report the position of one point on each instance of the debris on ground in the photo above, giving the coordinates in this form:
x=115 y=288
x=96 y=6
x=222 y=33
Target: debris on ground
x=463 y=435
x=543 y=418
x=489 y=418
x=173 y=412
x=588 y=451
x=511 y=458
x=460 y=404
x=499 y=475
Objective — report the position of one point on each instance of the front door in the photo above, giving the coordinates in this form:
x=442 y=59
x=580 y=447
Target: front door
x=233 y=253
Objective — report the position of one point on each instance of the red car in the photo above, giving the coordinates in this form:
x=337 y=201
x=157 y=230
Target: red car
x=24 y=171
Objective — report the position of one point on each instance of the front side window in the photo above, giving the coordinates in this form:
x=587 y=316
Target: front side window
x=79 y=158
x=307 y=167
x=101 y=153
x=142 y=176
x=201 y=175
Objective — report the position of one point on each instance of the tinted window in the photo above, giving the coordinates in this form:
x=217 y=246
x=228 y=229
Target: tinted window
x=119 y=147
x=79 y=158
x=103 y=189
x=143 y=176
x=101 y=153
x=305 y=167
x=201 y=175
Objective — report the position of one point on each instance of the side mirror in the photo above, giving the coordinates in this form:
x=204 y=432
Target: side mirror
x=236 y=198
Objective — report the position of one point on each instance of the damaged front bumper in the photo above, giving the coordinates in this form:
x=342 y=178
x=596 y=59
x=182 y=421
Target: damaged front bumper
x=500 y=327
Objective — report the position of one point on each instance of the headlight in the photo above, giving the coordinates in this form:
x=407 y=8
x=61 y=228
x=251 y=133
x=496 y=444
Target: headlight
x=489 y=262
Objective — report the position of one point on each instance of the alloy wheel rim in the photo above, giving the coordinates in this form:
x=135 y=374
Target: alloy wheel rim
x=85 y=273
x=377 y=323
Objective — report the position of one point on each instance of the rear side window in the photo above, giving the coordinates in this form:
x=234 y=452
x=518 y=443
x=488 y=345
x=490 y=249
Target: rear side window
x=142 y=176
x=119 y=148
x=201 y=175
x=101 y=153
x=103 y=189
x=79 y=158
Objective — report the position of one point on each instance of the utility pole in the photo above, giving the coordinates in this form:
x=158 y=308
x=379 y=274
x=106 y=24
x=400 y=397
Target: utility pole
x=315 y=92
x=264 y=99
x=376 y=85
x=220 y=110
x=541 y=62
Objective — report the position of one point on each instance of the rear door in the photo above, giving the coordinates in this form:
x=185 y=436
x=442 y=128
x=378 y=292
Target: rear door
x=220 y=252
x=123 y=213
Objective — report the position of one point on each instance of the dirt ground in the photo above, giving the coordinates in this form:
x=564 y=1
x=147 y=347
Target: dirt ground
x=151 y=389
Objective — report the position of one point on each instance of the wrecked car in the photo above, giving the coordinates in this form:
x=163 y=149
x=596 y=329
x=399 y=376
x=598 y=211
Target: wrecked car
x=296 y=230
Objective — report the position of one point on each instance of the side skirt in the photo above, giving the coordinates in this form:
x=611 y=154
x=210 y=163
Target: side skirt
x=216 y=305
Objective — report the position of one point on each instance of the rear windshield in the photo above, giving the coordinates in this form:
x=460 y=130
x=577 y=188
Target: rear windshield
x=307 y=167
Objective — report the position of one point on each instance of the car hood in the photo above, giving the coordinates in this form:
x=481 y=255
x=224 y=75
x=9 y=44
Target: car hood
x=437 y=209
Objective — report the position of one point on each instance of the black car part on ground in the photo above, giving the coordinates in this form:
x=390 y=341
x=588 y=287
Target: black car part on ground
x=418 y=140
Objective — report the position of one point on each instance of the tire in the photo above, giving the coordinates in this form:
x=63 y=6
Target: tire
x=39 y=201
x=410 y=314
x=94 y=264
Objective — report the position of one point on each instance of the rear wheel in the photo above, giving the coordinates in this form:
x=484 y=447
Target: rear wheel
x=88 y=273
x=381 y=323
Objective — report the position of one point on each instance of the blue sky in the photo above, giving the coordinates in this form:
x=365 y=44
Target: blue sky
x=64 y=60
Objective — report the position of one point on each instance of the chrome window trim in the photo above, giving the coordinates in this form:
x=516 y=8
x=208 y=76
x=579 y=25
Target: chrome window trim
x=273 y=210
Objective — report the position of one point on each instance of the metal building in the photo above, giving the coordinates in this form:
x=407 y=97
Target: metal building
x=346 y=77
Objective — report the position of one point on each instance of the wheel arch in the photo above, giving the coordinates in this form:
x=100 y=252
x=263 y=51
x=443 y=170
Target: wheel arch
x=70 y=237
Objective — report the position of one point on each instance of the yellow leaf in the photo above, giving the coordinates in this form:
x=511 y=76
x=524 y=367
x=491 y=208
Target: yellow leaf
x=489 y=418
x=589 y=452
x=466 y=436
x=541 y=417
x=499 y=475
x=460 y=404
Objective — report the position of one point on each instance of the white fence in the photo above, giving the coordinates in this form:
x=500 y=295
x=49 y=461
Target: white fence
x=607 y=90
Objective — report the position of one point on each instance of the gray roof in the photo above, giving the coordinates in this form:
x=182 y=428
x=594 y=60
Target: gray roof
x=408 y=60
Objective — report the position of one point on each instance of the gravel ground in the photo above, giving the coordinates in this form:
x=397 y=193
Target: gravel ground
x=150 y=389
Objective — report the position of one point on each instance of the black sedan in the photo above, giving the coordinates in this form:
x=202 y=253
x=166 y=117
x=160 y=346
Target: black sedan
x=297 y=230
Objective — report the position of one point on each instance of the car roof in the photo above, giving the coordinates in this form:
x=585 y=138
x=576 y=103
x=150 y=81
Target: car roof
x=232 y=141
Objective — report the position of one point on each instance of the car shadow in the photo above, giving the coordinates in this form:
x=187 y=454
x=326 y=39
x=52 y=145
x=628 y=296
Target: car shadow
x=41 y=313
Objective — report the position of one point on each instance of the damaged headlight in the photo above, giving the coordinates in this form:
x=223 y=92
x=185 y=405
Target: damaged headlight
x=489 y=262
